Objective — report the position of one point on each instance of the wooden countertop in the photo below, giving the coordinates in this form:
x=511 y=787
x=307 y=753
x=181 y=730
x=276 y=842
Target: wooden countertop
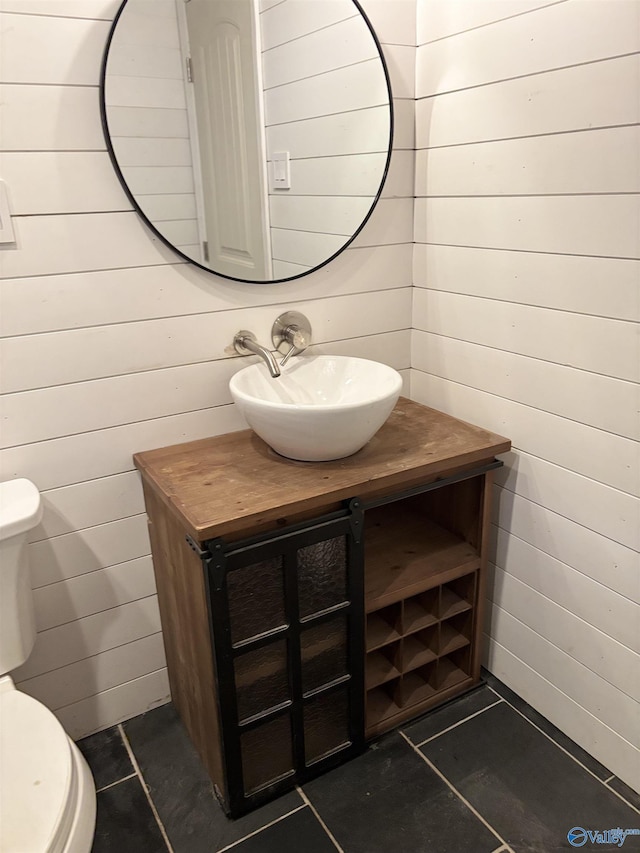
x=233 y=484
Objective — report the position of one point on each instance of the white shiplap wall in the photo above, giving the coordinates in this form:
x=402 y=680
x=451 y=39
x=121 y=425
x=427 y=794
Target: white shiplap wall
x=110 y=345
x=322 y=81
x=526 y=313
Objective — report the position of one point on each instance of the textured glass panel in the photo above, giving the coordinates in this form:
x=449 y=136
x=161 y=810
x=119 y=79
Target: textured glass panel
x=261 y=679
x=267 y=753
x=322 y=575
x=256 y=599
x=325 y=724
x=324 y=653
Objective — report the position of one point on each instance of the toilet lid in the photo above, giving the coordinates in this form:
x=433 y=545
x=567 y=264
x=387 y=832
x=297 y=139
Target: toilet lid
x=37 y=778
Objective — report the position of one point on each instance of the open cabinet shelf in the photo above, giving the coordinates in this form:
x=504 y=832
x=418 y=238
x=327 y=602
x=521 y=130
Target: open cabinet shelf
x=379 y=668
x=422 y=566
x=381 y=628
x=403 y=551
x=416 y=690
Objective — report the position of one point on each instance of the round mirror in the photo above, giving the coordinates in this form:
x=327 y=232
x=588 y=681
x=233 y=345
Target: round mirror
x=253 y=136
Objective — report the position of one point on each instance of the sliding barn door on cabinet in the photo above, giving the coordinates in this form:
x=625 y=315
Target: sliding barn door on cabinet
x=286 y=617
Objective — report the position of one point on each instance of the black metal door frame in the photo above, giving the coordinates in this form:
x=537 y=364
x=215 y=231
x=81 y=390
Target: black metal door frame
x=219 y=559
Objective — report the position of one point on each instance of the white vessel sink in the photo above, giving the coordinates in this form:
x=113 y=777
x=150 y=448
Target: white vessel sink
x=321 y=407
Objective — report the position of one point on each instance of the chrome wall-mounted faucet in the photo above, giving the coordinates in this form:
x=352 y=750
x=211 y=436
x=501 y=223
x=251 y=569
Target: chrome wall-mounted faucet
x=291 y=334
x=245 y=342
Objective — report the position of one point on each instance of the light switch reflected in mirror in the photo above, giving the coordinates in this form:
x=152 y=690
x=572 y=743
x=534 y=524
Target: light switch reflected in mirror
x=254 y=136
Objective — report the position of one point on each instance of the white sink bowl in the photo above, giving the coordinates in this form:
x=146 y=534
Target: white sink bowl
x=321 y=407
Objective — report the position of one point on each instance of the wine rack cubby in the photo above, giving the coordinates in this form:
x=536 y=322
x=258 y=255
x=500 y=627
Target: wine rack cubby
x=422 y=590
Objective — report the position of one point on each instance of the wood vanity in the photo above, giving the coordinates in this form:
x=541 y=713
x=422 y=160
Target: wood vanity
x=310 y=606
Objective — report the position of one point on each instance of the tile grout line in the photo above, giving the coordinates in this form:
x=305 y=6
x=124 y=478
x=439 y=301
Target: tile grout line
x=117 y=782
x=460 y=722
x=321 y=822
x=613 y=776
x=548 y=736
x=259 y=830
x=566 y=752
x=138 y=773
x=624 y=800
x=455 y=791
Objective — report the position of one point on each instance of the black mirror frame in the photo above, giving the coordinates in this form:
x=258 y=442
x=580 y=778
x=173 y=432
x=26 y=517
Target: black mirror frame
x=152 y=227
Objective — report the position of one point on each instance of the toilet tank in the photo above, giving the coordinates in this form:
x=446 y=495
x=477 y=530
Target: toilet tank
x=20 y=511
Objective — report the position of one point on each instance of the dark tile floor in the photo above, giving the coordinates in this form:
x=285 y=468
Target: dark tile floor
x=483 y=774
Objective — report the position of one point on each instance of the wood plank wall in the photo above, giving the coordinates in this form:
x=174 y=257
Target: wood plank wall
x=319 y=62
x=526 y=312
x=110 y=345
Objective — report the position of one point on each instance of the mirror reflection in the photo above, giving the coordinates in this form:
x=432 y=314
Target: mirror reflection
x=253 y=135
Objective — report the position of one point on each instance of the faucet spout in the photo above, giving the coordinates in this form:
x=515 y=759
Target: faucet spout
x=245 y=342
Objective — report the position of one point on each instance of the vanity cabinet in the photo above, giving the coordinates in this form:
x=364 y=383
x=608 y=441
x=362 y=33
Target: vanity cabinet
x=309 y=607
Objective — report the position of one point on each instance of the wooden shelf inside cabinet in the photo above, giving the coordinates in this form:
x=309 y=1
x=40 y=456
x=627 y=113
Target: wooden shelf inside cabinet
x=405 y=554
x=450 y=639
x=451 y=603
x=385 y=713
x=418 y=613
x=416 y=652
x=379 y=669
x=449 y=674
x=433 y=663
x=418 y=685
x=380 y=706
x=380 y=630
x=456 y=632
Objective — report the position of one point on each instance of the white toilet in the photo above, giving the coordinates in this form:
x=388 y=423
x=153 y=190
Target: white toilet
x=47 y=793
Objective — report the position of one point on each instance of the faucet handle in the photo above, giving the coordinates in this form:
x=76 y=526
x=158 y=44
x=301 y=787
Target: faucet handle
x=297 y=345
x=297 y=337
x=291 y=334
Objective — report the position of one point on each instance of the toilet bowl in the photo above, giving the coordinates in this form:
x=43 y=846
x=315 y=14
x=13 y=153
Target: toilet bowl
x=47 y=793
